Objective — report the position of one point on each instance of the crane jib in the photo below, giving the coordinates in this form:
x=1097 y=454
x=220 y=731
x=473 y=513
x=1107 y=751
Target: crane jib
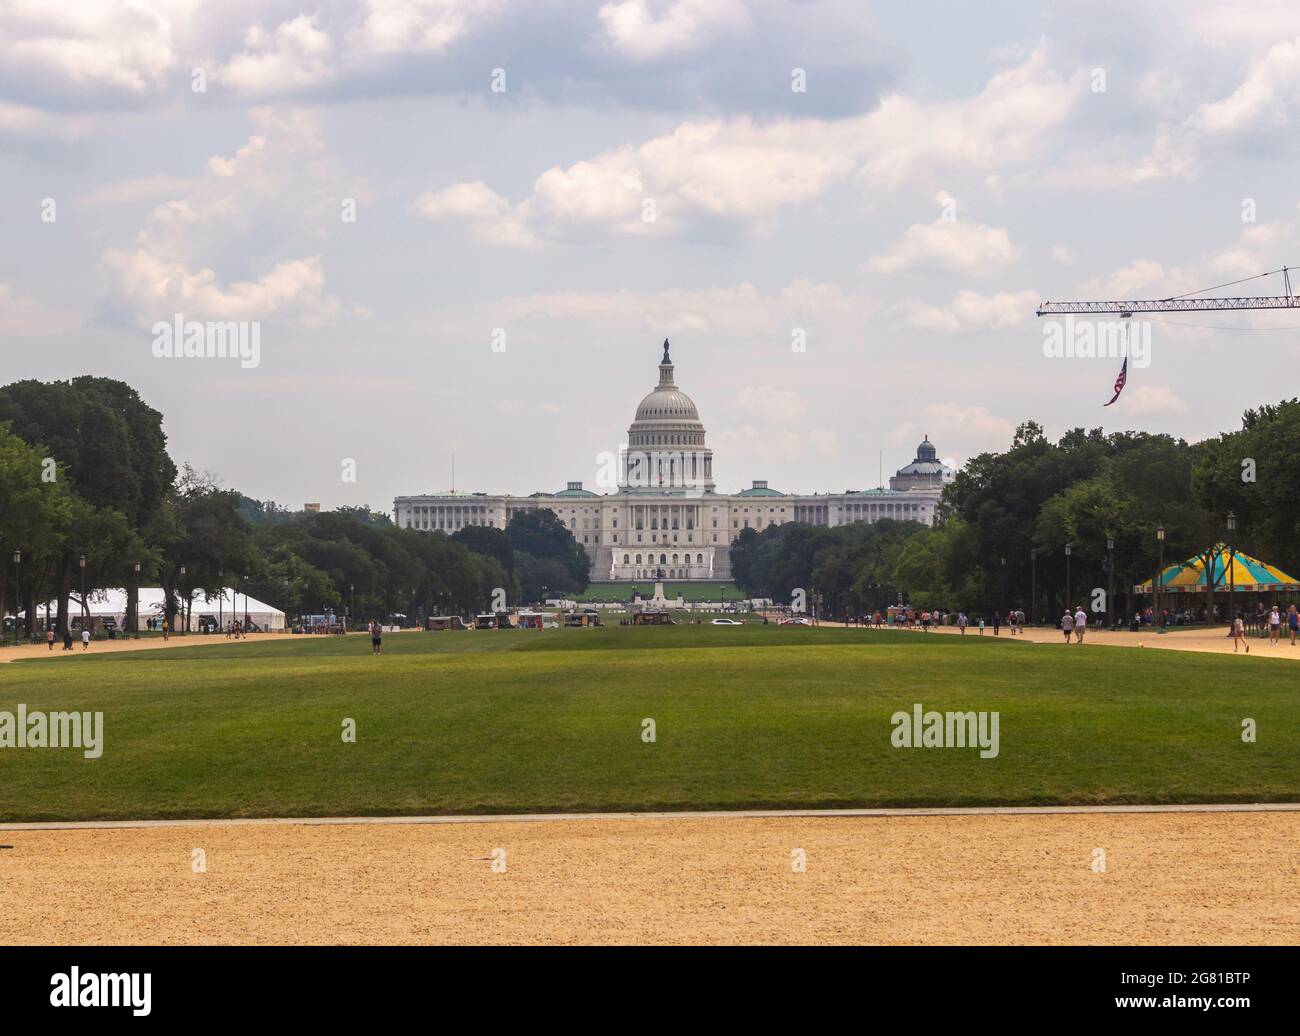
x=1129 y=307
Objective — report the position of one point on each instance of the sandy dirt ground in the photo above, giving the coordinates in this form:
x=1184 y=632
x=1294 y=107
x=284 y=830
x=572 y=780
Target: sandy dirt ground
x=10 y=653
x=1169 y=878
x=1189 y=640
x=1216 y=640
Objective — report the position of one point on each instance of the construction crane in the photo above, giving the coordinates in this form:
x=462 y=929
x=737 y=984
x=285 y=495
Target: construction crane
x=1185 y=303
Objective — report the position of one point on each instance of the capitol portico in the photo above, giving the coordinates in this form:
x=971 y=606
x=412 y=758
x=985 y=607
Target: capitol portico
x=666 y=518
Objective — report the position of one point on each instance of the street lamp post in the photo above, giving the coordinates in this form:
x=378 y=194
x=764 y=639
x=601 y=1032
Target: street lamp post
x=135 y=610
x=1033 y=582
x=1110 y=581
x=81 y=562
x=221 y=599
x=1069 y=549
x=1232 y=571
x=1160 y=568
x=18 y=588
x=185 y=615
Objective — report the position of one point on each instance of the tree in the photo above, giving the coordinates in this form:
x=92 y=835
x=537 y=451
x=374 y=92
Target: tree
x=35 y=516
x=543 y=535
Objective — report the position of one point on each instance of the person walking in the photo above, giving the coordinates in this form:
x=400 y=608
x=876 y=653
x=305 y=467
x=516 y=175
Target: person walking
x=1239 y=635
x=1080 y=624
x=376 y=638
x=997 y=623
x=49 y=638
x=962 y=622
x=1067 y=623
x=1293 y=623
x=1274 y=624
x=85 y=639
x=67 y=639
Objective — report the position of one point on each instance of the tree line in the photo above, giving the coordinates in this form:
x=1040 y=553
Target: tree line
x=1006 y=519
x=90 y=496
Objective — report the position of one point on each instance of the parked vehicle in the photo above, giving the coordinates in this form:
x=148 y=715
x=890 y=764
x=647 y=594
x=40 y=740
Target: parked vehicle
x=727 y=622
x=652 y=618
x=446 y=622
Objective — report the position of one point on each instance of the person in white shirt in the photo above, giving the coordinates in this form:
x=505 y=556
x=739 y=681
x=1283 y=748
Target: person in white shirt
x=1067 y=624
x=85 y=639
x=1080 y=624
x=1274 y=625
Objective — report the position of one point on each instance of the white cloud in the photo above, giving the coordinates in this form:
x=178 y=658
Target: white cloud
x=972 y=426
x=743 y=171
x=155 y=289
x=488 y=214
x=1009 y=122
x=295 y=56
x=958 y=246
x=633 y=31
x=1064 y=255
x=1262 y=100
x=118 y=45
x=1150 y=400
x=420 y=26
x=969 y=310
x=170 y=267
x=1257 y=249
x=1142 y=278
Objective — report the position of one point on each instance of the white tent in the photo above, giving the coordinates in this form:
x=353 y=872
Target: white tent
x=112 y=603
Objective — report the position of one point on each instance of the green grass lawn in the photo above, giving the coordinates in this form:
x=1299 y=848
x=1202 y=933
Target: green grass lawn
x=752 y=716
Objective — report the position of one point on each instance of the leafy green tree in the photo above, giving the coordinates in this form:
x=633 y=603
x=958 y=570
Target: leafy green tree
x=35 y=518
x=543 y=535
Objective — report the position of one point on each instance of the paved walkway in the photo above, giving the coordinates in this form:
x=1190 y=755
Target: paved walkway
x=732 y=814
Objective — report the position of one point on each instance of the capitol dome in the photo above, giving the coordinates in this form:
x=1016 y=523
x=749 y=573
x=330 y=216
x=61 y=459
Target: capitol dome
x=665 y=442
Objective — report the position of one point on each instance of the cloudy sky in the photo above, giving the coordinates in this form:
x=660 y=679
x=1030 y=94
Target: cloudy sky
x=546 y=189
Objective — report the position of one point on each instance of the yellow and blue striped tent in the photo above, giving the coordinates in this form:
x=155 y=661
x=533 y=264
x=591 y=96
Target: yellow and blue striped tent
x=1247 y=575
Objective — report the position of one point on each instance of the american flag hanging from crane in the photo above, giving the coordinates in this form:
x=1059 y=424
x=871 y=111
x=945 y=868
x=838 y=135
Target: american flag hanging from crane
x=1121 y=381
x=1181 y=304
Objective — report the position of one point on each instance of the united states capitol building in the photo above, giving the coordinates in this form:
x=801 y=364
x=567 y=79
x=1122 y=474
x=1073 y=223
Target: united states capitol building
x=665 y=519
